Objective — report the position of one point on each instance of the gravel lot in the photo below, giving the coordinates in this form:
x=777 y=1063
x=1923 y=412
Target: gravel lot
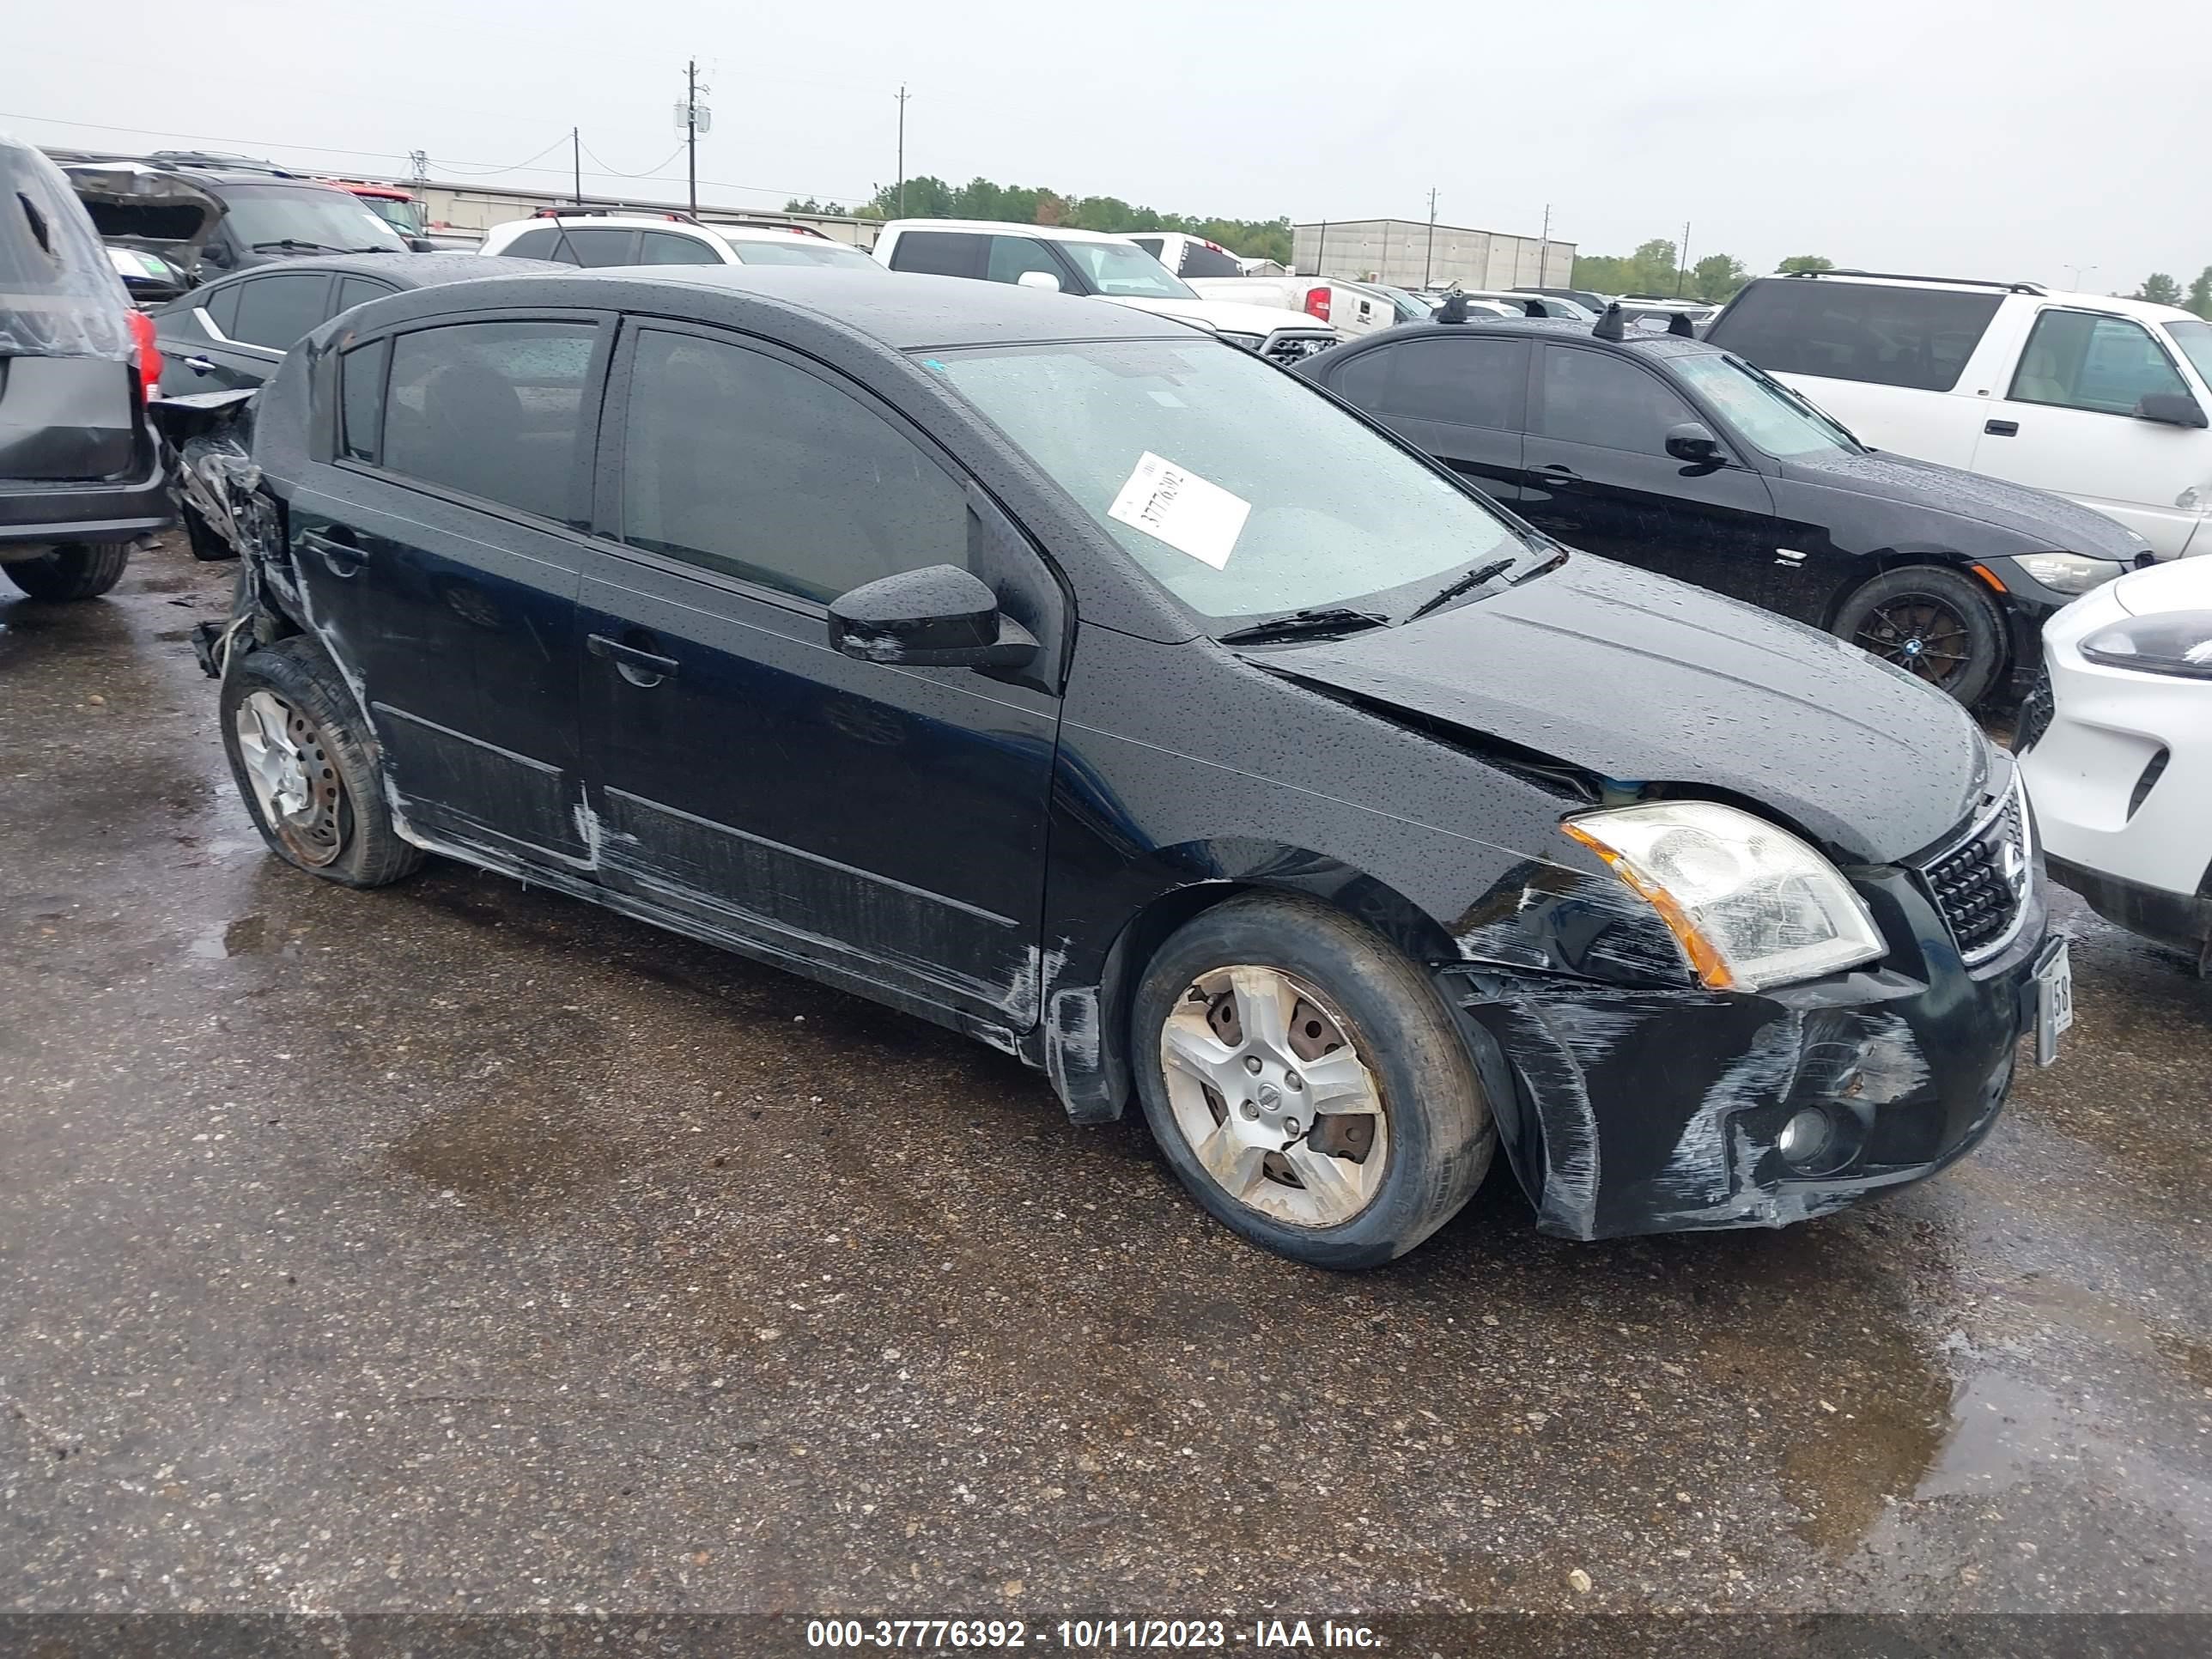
x=461 y=1248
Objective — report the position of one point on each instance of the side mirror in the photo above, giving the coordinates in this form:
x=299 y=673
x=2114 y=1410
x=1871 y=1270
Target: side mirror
x=421 y=244
x=2171 y=408
x=940 y=616
x=1043 y=279
x=1694 y=442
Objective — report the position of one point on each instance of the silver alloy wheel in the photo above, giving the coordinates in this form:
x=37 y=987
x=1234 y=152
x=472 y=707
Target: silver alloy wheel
x=1273 y=1096
x=295 y=783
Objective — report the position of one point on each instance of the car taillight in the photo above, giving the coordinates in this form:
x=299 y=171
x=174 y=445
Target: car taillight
x=149 y=354
x=1317 y=304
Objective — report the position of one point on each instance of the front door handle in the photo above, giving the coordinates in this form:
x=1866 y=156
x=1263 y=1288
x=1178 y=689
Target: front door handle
x=2003 y=428
x=337 y=549
x=199 y=365
x=1559 y=470
x=634 y=663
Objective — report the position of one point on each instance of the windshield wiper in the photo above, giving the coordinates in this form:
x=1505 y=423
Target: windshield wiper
x=1473 y=579
x=1302 y=624
x=294 y=241
x=376 y=247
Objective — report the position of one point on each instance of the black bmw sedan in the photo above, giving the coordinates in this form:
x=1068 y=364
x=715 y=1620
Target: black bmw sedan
x=1095 y=689
x=1664 y=452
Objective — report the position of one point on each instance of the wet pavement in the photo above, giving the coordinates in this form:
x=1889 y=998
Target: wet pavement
x=462 y=1247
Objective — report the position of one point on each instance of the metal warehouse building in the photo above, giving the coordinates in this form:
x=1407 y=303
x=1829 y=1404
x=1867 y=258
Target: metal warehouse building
x=1400 y=251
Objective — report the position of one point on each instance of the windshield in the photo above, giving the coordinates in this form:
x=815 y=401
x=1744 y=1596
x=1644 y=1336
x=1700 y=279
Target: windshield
x=405 y=217
x=1263 y=496
x=304 y=213
x=801 y=250
x=1117 y=268
x=1765 y=412
x=1410 y=307
x=2195 y=340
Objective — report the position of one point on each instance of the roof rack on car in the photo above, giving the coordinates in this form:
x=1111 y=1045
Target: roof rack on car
x=1904 y=276
x=211 y=158
x=676 y=214
x=1613 y=325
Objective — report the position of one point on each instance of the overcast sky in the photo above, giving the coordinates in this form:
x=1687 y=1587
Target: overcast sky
x=2016 y=140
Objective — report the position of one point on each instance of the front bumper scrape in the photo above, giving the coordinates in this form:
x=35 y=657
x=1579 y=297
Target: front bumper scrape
x=1629 y=1111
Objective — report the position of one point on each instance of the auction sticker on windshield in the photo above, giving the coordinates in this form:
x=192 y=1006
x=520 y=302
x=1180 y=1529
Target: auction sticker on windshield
x=1181 y=509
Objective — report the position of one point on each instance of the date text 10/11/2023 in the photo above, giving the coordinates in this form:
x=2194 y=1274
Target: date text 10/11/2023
x=1293 y=1635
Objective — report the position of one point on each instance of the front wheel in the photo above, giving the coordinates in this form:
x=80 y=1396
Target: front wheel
x=1935 y=624
x=78 y=570
x=1306 y=1083
x=305 y=767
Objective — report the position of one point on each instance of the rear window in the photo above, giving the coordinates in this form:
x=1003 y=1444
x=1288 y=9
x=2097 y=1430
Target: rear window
x=1908 y=336
x=1200 y=260
x=59 y=295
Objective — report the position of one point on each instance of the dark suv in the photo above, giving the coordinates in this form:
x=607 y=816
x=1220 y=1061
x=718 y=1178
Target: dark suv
x=1053 y=671
x=1663 y=451
x=160 y=203
x=79 y=470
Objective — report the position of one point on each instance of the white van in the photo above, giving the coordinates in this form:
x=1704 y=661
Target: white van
x=2101 y=399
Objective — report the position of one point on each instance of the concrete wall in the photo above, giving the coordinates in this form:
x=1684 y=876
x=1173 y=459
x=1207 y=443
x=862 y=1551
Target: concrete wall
x=1400 y=251
x=462 y=213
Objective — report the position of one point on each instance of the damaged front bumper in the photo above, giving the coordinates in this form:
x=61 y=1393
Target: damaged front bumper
x=1629 y=1111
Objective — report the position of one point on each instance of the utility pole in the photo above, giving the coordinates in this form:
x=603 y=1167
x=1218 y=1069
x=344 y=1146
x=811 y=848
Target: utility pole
x=902 y=149
x=1544 y=249
x=1321 y=254
x=576 y=161
x=1683 y=269
x=1429 y=259
x=694 y=117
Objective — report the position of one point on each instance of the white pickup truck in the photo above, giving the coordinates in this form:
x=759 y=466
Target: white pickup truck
x=1351 y=308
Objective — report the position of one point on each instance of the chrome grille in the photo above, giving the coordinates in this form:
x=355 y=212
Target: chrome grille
x=1981 y=884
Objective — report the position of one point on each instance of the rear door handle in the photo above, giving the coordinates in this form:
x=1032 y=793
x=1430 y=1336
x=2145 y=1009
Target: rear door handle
x=2002 y=428
x=341 y=555
x=203 y=365
x=1559 y=470
x=637 y=665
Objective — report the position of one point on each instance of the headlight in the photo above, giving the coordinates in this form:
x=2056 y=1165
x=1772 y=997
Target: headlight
x=2179 y=642
x=1249 y=341
x=2069 y=572
x=1752 y=905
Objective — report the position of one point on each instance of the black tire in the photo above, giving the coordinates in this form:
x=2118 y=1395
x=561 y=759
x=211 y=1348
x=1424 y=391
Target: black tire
x=76 y=570
x=206 y=543
x=1439 y=1135
x=1939 y=626
x=343 y=831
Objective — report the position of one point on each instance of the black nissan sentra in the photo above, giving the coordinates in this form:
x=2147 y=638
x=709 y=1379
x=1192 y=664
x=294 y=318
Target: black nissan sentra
x=1051 y=672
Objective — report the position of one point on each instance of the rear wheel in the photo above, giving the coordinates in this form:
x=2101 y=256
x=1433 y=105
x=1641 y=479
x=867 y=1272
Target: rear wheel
x=1306 y=1083
x=306 y=769
x=1935 y=624
x=77 y=570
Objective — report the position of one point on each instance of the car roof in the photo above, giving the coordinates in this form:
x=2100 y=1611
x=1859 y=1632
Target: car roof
x=1568 y=330
x=913 y=311
x=1043 y=232
x=408 y=269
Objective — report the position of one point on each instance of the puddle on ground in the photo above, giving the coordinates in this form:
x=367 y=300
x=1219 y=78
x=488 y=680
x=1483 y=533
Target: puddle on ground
x=246 y=936
x=513 y=1148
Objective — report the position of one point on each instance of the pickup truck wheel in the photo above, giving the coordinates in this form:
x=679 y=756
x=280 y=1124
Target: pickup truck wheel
x=1935 y=624
x=78 y=570
x=307 y=770
x=1305 y=1082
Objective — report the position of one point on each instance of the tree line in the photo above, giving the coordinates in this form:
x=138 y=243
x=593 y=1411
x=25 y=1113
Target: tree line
x=927 y=197
x=2161 y=290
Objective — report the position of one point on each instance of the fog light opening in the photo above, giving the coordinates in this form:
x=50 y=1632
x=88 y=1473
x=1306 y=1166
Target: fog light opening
x=1805 y=1138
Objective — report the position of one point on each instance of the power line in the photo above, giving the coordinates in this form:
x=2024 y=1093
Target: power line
x=616 y=173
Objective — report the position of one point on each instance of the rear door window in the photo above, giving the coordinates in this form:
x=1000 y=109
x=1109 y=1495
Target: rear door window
x=535 y=243
x=595 y=244
x=669 y=247
x=358 y=291
x=1471 y=380
x=1594 y=398
x=492 y=409
x=2079 y=360
x=830 y=494
x=1908 y=336
x=221 y=304
x=941 y=252
x=278 y=312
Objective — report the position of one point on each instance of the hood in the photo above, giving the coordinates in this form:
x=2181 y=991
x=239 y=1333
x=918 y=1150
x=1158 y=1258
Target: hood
x=1234 y=315
x=134 y=205
x=2177 y=585
x=1640 y=679
x=2051 y=523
